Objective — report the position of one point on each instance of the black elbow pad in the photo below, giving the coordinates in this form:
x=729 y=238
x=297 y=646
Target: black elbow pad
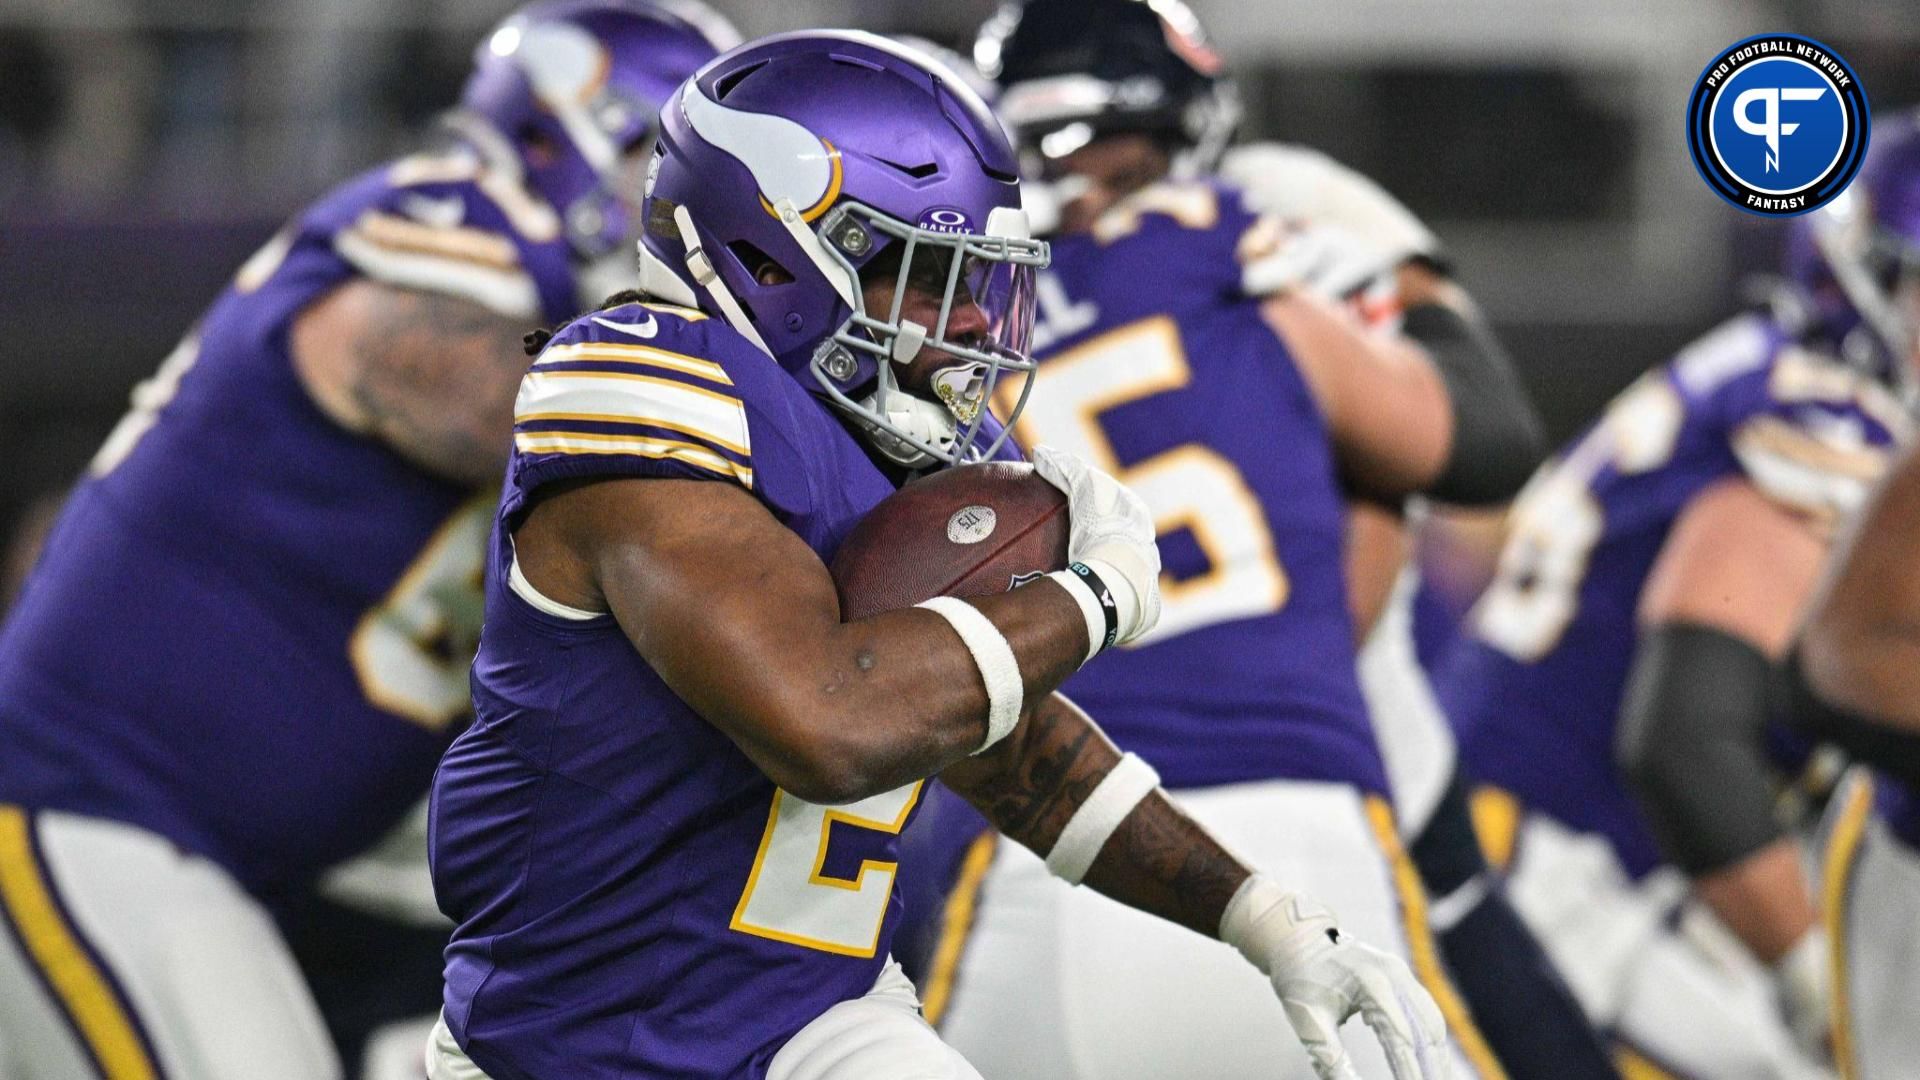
x=1497 y=437
x=1894 y=751
x=1692 y=742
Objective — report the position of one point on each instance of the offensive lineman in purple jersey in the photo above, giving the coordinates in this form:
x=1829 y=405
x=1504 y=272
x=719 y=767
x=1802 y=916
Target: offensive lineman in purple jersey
x=1616 y=680
x=1160 y=361
x=246 y=644
x=668 y=838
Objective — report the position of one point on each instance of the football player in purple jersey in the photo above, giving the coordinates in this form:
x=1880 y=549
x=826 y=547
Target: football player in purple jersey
x=1185 y=344
x=1616 y=681
x=246 y=643
x=669 y=837
x=1851 y=679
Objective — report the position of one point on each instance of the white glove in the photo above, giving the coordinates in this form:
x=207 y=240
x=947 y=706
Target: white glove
x=1804 y=982
x=1111 y=531
x=1295 y=182
x=1323 y=977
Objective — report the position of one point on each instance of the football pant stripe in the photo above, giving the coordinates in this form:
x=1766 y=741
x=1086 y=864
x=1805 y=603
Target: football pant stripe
x=1421 y=947
x=1635 y=1064
x=956 y=925
x=1843 y=853
x=1496 y=824
x=567 y=442
x=707 y=415
x=638 y=356
x=94 y=1005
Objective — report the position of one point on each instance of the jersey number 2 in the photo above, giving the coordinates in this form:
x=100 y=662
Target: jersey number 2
x=790 y=895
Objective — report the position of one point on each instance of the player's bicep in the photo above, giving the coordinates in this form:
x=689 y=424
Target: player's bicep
x=1385 y=405
x=1735 y=561
x=431 y=376
x=718 y=597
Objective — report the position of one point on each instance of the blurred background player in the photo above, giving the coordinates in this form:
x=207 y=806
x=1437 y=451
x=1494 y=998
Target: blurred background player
x=1850 y=680
x=247 y=641
x=1616 y=685
x=668 y=837
x=1160 y=363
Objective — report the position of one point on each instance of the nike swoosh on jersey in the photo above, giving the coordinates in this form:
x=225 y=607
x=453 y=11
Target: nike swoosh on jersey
x=640 y=329
x=444 y=213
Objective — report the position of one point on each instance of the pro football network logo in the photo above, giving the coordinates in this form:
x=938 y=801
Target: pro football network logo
x=1777 y=124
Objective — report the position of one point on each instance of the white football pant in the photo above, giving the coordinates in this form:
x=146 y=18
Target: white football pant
x=123 y=957
x=1656 y=970
x=1870 y=897
x=1036 y=979
x=1416 y=742
x=880 y=1036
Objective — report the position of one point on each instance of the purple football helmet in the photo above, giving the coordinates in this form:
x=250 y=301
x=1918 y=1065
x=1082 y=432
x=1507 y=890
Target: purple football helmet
x=787 y=166
x=574 y=87
x=1857 y=260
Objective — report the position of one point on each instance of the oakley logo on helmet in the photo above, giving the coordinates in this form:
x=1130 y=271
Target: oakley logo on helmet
x=1777 y=125
x=945 y=219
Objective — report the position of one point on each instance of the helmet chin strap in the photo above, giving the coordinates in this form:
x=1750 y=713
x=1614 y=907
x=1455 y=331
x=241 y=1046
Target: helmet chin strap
x=705 y=276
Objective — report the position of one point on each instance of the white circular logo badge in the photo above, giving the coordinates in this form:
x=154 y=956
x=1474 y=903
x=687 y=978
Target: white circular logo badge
x=970 y=524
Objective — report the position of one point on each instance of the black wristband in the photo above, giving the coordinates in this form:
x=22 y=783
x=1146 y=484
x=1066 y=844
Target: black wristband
x=1104 y=596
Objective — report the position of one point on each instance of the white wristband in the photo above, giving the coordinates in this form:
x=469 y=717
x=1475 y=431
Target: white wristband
x=1094 y=823
x=999 y=669
x=1241 y=925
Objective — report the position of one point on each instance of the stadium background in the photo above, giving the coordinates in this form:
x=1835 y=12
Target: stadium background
x=147 y=147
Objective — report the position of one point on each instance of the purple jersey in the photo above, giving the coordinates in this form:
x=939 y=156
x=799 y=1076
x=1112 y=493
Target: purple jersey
x=634 y=897
x=250 y=629
x=1535 y=684
x=1156 y=365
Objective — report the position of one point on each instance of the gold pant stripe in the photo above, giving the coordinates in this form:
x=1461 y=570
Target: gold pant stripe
x=956 y=922
x=1836 y=875
x=1636 y=1066
x=1496 y=824
x=91 y=1004
x=1426 y=958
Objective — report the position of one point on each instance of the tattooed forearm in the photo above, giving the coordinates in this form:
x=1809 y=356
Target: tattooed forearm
x=435 y=379
x=1030 y=784
x=1162 y=861
x=1159 y=860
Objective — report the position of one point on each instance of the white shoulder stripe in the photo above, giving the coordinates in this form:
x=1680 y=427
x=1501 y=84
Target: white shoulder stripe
x=634 y=399
x=506 y=292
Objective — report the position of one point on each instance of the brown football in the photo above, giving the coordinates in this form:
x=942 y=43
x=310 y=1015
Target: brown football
x=972 y=530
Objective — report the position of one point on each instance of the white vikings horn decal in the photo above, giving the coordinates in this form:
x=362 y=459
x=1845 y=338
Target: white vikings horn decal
x=787 y=161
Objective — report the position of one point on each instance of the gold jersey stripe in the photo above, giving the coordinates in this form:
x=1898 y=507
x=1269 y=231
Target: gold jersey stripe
x=461 y=244
x=646 y=355
x=956 y=924
x=1421 y=948
x=714 y=417
x=84 y=993
x=569 y=442
x=617 y=418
